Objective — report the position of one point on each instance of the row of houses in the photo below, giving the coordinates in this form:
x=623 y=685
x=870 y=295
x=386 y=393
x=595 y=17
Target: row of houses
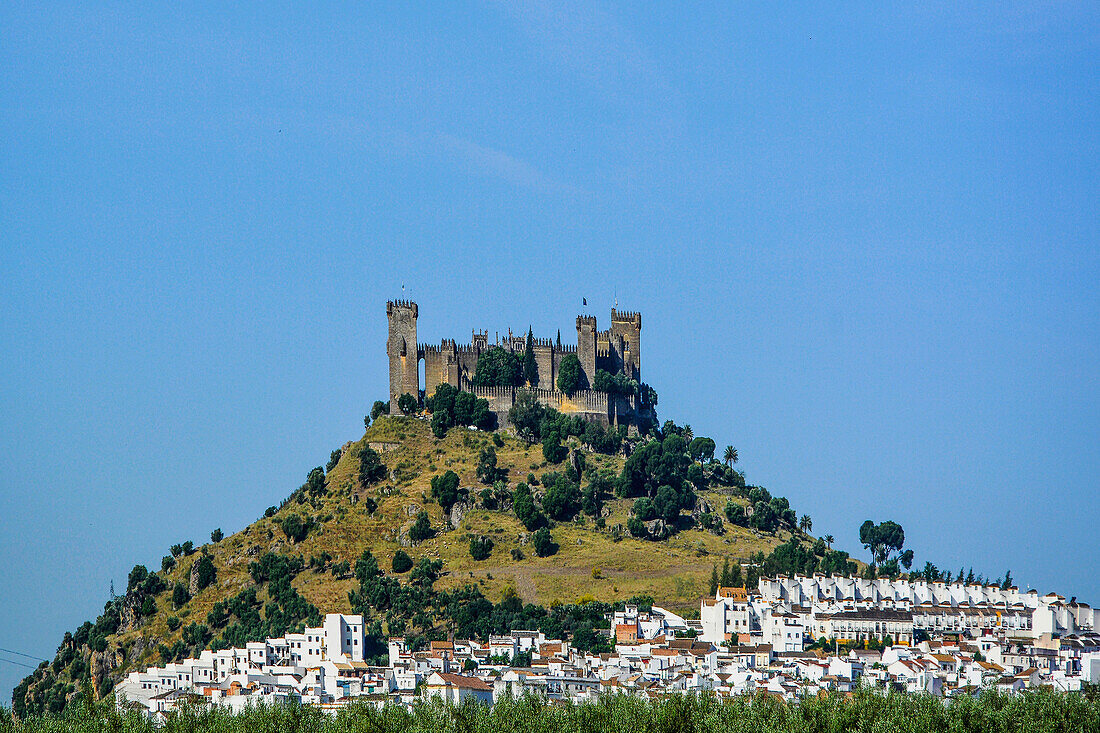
x=743 y=643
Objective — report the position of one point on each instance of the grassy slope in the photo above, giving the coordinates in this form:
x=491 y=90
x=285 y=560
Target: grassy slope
x=675 y=572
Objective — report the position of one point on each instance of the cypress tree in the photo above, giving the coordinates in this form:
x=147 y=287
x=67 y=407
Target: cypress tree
x=530 y=368
x=714 y=579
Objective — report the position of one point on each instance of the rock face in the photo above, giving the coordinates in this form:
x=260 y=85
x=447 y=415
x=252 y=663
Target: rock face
x=129 y=613
x=657 y=529
x=193 y=582
x=458 y=511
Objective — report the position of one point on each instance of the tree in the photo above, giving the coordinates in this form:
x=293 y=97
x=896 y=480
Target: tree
x=552 y=449
x=701 y=449
x=569 y=374
x=445 y=490
x=829 y=539
x=366 y=568
x=498 y=367
x=523 y=504
x=881 y=539
x=526 y=415
x=295 y=528
x=180 y=595
x=530 y=366
x=562 y=500
x=333 y=459
x=205 y=572
x=480 y=548
x=315 y=483
x=805 y=524
x=422 y=527
x=907 y=559
x=167 y=563
x=402 y=563
x=217 y=535
x=188 y=548
x=407 y=404
x=730 y=456
x=379 y=408
x=544 y=543
x=371 y=468
x=735 y=513
x=487 y=471
x=137 y=577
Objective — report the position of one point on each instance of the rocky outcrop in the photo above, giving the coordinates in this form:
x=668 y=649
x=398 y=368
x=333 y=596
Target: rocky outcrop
x=458 y=511
x=657 y=529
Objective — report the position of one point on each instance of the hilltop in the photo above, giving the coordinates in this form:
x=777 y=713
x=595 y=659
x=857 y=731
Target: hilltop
x=307 y=556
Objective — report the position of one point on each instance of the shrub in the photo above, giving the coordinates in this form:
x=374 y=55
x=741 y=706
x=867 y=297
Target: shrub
x=407 y=404
x=371 y=468
x=543 y=543
x=487 y=471
x=481 y=548
x=205 y=572
x=173 y=623
x=563 y=499
x=422 y=527
x=333 y=459
x=402 y=563
x=517 y=554
x=217 y=535
x=295 y=528
x=180 y=595
x=445 y=489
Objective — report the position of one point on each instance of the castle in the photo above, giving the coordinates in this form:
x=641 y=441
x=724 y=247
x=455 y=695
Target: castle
x=617 y=350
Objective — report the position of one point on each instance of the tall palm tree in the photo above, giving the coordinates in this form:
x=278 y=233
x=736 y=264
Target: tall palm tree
x=828 y=540
x=730 y=456
x=688 y=434
x=805 y=523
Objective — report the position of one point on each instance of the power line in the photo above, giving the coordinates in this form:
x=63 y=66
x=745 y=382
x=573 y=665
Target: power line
x=21 y=654
x=21 y=664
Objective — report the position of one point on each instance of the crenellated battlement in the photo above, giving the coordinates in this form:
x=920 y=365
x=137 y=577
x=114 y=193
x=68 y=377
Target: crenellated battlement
x=627 y=317
x=391 y=305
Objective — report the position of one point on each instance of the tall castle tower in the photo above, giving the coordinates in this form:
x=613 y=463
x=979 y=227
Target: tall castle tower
x=586 y=348
x=626 y=341
x=401 y=348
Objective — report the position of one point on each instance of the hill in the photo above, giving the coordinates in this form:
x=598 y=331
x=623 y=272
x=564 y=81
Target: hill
x=308 y=556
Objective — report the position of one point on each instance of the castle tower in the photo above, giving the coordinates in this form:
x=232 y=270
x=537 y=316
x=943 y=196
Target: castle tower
x=626 y=326
x=586 y=348
x=401 y=348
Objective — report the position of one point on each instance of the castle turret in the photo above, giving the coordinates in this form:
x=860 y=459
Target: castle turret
x=626 y=326
x=586 y=348
x=402 y=350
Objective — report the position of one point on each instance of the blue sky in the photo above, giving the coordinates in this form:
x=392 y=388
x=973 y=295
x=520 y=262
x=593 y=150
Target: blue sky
x=864 y=241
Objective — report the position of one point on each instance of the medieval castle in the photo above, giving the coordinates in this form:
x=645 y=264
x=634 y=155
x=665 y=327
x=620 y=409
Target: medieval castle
x=617 y=350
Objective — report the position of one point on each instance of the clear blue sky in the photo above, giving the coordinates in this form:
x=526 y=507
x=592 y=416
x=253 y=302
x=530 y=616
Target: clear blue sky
x=865 y=243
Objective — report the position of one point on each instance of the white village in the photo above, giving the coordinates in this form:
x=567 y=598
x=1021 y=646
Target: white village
x=790 y=637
